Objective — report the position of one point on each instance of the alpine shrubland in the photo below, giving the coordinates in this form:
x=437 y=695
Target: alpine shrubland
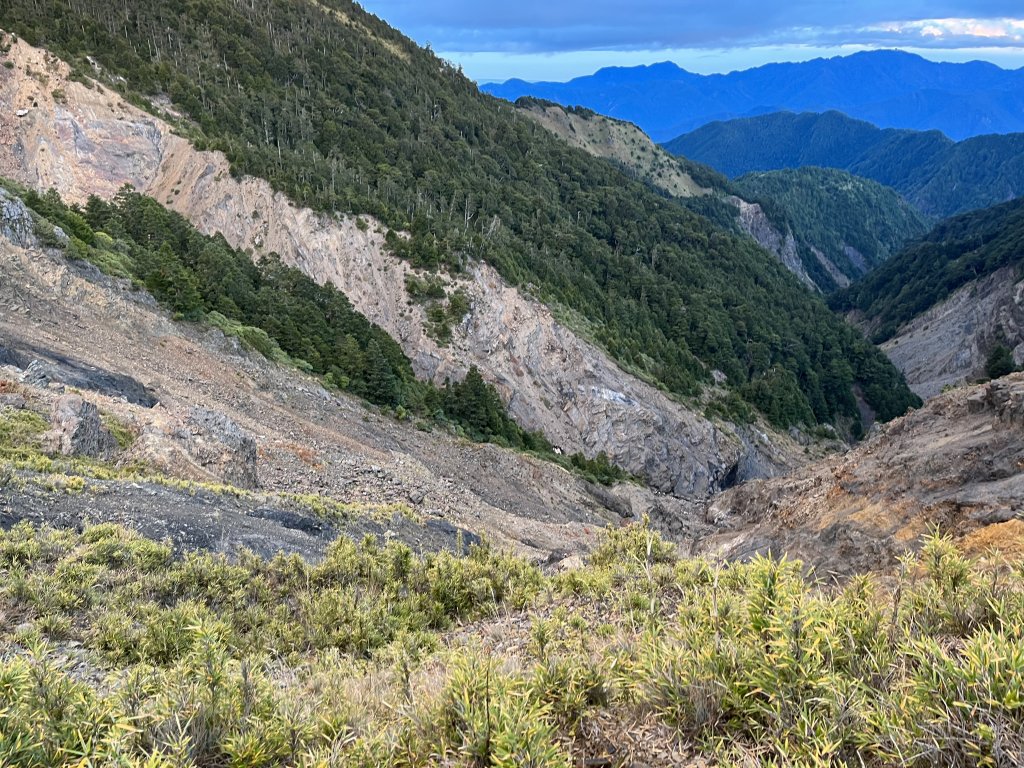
x=119 y=654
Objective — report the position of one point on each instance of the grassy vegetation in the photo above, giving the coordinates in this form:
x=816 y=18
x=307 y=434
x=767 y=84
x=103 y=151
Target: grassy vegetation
x=23 y=461
x=206 y=662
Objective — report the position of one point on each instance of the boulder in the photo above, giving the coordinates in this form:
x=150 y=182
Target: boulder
x=76 y=430
x=216 y=441
x=16 y=222
x=1006 y=397
x=205 y=446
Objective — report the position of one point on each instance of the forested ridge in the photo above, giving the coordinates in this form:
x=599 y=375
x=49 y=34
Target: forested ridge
x=833 y=210
x=343 y=113
x=937 y=175
x=958 y=251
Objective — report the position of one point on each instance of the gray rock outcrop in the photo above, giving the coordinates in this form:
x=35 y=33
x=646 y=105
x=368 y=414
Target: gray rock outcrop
x=206 y=446
x=949 y=344
x=76 y=430
x=16 y=222
x=755 y=223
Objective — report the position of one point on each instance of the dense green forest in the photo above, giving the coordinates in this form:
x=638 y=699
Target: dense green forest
x=827 y=210
x=937 y=175
x=955 y=253
x=279 y=312
x=831 y=210
x=343 y=113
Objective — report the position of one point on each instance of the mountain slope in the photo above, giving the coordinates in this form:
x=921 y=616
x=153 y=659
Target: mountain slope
x=626 y=145
x=947 y=300
x=827 y=227
x=552 y=380
x=956 y=252
x=889 y=88
x=953 y=464
x=324 y=463
x=850 y=223
x=939 y=176
x=343 y=113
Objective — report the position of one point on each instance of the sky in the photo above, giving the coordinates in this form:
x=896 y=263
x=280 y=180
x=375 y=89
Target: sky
x=562 y=39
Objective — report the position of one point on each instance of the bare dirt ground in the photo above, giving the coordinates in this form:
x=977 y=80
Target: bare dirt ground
x=309 y=441
x=955 y=466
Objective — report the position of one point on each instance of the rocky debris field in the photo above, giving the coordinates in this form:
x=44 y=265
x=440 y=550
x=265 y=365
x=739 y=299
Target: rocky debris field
x=201 y=408
x=194 y=518
x=957 y=465
x=81 y=474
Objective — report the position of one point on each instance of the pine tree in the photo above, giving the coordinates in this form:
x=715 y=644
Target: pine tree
x=1000 y=362
x=382 y=387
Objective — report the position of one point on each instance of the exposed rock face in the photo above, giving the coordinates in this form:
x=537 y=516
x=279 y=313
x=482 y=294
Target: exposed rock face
x=16 y=221
x=753 y=221
x=625 y=144
x=309 y=442
x=950 y=343
x=206 y=446
x=957 y=463
x=833 y=271
x=76 y=430
x=92 y=143
x=215 y=441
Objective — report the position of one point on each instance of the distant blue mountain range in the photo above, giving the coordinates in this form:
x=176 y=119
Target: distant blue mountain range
x=891 y=89
x=939 y=176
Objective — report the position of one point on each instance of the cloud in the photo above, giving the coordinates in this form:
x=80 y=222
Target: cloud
x=554 y=26
x=958 y=31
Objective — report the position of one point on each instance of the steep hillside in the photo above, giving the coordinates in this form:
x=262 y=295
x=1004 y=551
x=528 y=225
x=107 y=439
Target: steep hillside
x=945 y=302
x=848 y=222
x=826 y=227
x=698 y=187
x=625 y=144
x=344 y=114
x=889 y=88
x=955 y=464
x=953 y=341
x=956 y=252
x=243 y=451
x=940 y=177
x=552 y=380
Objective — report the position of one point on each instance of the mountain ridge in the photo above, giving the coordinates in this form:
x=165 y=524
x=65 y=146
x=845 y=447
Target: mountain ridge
x=939 y=176
x=890 y=87
x=808 y=219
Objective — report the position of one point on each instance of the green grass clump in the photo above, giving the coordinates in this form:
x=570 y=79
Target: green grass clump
x=123 y=432
x=20 y=433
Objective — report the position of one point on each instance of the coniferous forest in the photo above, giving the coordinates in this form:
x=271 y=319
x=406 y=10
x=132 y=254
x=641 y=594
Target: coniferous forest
x=343 y=113
x=958 y=251
x=281 y=313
